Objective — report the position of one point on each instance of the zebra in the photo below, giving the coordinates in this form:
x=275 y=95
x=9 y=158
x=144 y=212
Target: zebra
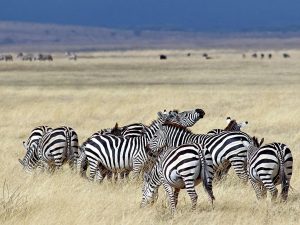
x=268 y=166
x=35 y=135
x=232 y=126
x=53 y=149
x=221 y=172
x=179 y=168
x=225 y=147
x=132 y=130
x=110 y=153
x=186 y=118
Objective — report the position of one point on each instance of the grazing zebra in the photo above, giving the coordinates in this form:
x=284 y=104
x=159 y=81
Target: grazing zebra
x=35 y=135
x=267 y=166
x=186 y=118
x=225 y=147
x=232 y=126
x=55 y=147
x=179 y=168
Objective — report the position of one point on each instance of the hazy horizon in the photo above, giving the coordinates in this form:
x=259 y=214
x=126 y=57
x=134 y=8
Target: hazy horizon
x=194 y=15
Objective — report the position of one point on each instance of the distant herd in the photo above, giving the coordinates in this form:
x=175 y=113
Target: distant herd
x=73 y=56
x=35 y=57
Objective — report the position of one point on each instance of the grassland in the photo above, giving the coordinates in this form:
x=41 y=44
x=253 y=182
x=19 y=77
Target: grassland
x=132 y=86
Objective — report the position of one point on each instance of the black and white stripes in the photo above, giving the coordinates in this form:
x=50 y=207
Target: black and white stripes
x=179 y=168
x=268 y=166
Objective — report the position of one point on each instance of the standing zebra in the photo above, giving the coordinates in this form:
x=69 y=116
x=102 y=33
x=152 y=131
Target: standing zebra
x=221 y=172
x=225 y=147
x=179 y=168
x=116 y=154
x=55 y=147
x=268 y=166
x=185 y=119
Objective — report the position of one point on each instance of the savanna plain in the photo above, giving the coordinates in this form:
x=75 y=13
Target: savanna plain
x=102 y=88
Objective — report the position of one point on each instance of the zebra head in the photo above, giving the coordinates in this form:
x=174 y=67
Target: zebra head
x=158 y=141
x=149 y=191
x=30 y=160
x=186 y=118
x=232 y=125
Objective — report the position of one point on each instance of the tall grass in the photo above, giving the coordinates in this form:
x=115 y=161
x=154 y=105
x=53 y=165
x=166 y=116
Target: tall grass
x=128 y=87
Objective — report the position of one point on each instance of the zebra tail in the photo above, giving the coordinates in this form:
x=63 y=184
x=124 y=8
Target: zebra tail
x=283 y=177
x=70 y=153
x=204 y=176
x=82 y=161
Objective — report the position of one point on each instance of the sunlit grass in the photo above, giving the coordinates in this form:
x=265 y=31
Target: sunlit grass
x=128 y=87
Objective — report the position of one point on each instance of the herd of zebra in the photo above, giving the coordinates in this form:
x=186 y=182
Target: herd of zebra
x=35 y=57
x=166 y=153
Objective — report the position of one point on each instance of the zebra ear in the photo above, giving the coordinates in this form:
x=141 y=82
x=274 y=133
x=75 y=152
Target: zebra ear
x=261 y=142
x=228 y=119
x=22 y=163
x=159 y=114
x=24 y=144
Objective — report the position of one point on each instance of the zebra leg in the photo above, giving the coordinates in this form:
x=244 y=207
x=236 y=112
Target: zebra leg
x=257 y=189
x=93 y=169
x=170 y=193
x=263 y=192
x=274 y=192
x=190 y=188
x=99 y=176
x=176 y=193
x=58 y=162
x=239 y=167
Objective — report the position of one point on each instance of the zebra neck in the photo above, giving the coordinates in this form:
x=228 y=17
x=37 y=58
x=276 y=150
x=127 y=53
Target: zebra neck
x=154 y=126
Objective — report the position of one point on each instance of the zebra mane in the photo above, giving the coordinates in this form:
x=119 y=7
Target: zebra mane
x=231 y=125
x=175 y=110
x=172 y=124
x=178 y=127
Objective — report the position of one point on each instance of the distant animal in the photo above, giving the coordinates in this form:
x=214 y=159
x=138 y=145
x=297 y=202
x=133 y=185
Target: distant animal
x=262 y=55
x=42 y=57
x=205 y=55
x=181 y=168
x=28 y=57
x=71 y=55
x=163 y=57
x=267 y=166
x=286 y=55
x=254 y=55
x=270 y=56
x=6 y=57
x=20 y=55
x=244 y=56
x=189 y=54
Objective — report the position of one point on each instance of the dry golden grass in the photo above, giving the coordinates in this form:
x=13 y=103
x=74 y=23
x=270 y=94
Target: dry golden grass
x=127 y=87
